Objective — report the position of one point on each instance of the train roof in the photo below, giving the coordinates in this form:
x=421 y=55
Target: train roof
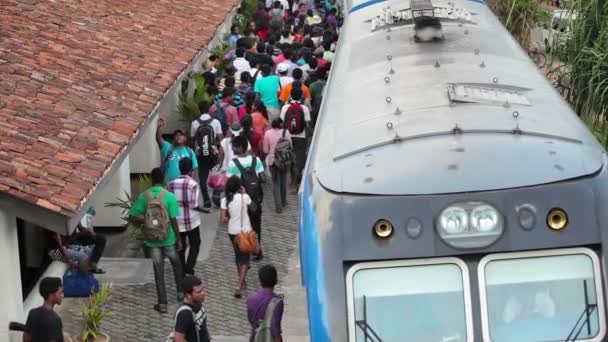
x=468 y=113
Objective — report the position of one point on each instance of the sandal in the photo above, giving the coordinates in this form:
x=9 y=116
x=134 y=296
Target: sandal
x=161 y=308
x=98 y=271
x=238 y=293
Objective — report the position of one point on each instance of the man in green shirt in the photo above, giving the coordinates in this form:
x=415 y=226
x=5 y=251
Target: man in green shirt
x=165 y=248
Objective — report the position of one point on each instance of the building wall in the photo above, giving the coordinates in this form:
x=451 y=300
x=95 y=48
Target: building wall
x=119 y=186
x=11 y=298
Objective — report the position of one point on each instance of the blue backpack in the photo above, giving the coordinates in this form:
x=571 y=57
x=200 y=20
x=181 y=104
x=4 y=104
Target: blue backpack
x=78 y=283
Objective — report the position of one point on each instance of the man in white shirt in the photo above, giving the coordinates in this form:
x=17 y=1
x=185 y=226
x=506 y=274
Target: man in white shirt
x=206 y=155
x=298 y=127
x=282 y=70
x=240 y=63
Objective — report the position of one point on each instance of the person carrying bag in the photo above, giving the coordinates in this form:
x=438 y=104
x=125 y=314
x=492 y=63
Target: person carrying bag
x=234 y=212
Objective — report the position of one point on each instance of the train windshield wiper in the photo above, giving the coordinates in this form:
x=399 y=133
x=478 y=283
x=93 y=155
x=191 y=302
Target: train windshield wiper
x=370 y=334
x=584 y=319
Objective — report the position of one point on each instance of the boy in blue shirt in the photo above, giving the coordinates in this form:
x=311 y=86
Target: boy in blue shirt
x=172 y=153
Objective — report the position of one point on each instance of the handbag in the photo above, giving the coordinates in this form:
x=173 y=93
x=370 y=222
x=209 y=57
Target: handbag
x=78 y=283
x=246 y=241
x=217 y=178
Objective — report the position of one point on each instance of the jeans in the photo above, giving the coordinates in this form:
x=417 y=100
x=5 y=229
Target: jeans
x=279 y=186
x=158 y=261
x=78 y=252
x=97 y=241
x=203 y=175
x=194 y=242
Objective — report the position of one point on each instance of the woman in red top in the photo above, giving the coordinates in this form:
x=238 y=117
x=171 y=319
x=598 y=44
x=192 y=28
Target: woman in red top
x=260 y=117
x=254 y=137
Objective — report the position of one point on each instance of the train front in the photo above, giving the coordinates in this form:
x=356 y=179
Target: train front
x=450 y=195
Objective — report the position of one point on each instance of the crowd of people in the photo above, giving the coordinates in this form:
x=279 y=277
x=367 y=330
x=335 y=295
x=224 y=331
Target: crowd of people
x=257 y=129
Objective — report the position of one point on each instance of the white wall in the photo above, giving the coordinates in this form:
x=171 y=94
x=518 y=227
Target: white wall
x=11 y=298
x=117 y=187
x=145 y=154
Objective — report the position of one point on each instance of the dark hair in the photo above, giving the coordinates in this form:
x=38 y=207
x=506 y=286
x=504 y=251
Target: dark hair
x=288 y=53
x=203 y=107
x=261 y=107
x=178 y=131
x=260 y=47
x=268 y=276
x=213 y=58
x=311 y=61
x=296 y=91
x=230 y=70
x=240 y=52
x=309 y=13
x=247 y=124
x=48 y=286
x=326 y=45
x=285 y=33
x=190 y=282
x=240 y=141
x=234 y=29
x=265 y=69
x=276 y=4
x=157 y=175
x=229 y=82
x=233 y=184
x=185 y=165
x=276 y=123
x=297 y=74
x=227 y=92
x=246 y=77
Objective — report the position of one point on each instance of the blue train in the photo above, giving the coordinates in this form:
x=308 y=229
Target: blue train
x=450 y=195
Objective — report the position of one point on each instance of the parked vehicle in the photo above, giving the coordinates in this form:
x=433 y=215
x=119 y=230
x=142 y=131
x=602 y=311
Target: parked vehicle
x=558 y=33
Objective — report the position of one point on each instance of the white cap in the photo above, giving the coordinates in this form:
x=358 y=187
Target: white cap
x=282 y=67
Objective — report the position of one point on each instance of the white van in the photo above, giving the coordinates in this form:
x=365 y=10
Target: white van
x=559 y=31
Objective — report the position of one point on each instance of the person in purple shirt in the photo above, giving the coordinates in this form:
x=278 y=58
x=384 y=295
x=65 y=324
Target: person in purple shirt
x=332 y=20
x=257 y=303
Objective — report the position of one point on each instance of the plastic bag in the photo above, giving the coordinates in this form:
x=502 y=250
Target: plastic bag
x=217 y=178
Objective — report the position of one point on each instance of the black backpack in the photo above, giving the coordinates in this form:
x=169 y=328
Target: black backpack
x=205 y=140
x=294 y=119
x=220 y=115
x=250 y=180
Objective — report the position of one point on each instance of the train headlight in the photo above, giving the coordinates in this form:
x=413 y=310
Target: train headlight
x=454 y=220
x=470 y=225
x=484 y=219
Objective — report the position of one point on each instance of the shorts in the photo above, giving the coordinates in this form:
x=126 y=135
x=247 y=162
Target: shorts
x=299 y=151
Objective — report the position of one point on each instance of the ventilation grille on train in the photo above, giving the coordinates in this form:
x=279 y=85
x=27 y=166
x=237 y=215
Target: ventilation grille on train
x=492 y=94
x=427 y=27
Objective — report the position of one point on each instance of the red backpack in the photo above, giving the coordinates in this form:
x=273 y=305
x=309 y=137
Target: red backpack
x=294 y=118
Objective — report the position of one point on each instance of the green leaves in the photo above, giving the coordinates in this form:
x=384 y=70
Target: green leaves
x=187 y=108
x=94 y=312
x=145 y=182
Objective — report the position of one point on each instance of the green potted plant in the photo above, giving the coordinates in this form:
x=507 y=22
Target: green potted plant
x=145 y=182
x=93 y=312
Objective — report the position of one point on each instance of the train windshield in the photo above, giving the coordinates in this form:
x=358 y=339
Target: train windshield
x=423 y=303
x=542 y=298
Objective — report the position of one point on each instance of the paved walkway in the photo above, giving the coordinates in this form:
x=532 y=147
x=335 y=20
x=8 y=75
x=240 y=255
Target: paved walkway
x=133 y=318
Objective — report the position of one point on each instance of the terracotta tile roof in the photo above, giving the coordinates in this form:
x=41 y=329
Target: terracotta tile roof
x=78 y=79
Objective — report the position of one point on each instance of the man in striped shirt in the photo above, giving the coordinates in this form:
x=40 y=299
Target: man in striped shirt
x=187 y=192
